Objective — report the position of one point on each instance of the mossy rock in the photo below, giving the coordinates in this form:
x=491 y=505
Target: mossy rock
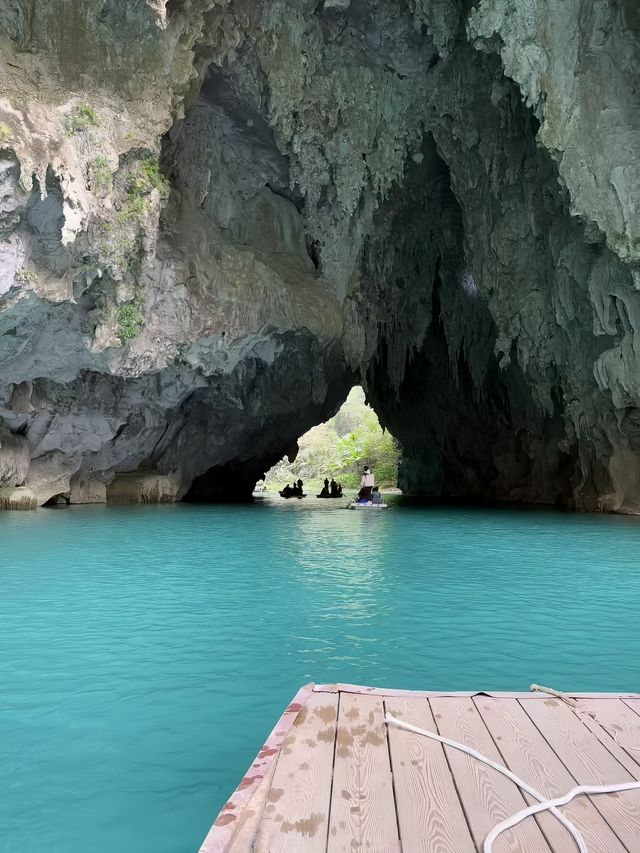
x=81 y=118
x=130 y=322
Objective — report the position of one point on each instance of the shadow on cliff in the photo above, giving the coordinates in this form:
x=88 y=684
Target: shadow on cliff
x=462 y=411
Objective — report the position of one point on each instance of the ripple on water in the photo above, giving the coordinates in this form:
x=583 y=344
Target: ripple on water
x=147 y=652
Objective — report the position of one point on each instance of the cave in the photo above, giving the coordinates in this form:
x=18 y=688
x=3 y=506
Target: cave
x=330 y=458
x=270 y=203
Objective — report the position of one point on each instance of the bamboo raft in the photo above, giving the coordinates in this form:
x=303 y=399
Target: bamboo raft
x=333 y=777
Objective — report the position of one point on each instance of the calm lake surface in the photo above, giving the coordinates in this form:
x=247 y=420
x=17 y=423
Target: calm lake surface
x=147 y=652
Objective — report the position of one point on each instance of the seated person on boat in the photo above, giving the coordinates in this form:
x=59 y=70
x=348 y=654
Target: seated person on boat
x=330 y=490
x=294 y=491
x=336 y=489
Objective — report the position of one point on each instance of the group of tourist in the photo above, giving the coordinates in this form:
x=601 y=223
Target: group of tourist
x=294 y=491
x=331 y=489
x=368 y=494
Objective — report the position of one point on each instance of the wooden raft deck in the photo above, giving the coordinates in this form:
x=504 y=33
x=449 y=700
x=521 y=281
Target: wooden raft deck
x=334 y=778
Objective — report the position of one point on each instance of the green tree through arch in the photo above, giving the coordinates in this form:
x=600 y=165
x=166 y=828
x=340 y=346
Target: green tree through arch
x=340 y=447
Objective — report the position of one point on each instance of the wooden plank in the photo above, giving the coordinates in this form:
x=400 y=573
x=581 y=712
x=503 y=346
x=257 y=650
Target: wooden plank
x=498 y=694
x=249 y=819
x=617 y=727
x=602 y=695
x=529 y=756
x=224 y=828
x=363 y=813
x=590 y=763
x=296 y=816
x=360 y=690
x=429 y=812
x=233 y=823
x=486 y=795
x=634 y=704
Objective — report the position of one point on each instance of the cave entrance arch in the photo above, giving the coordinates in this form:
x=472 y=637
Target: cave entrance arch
x=338 y=448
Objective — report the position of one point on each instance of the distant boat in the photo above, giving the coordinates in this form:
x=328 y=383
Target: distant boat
x=329 y=496
x=286 y=497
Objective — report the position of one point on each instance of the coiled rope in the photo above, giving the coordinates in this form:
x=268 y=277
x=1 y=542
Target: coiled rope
x=544 y=804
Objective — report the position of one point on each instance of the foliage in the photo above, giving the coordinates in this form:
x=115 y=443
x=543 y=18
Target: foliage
x=135 y=207
x=340 y=447
x=146 y=176
x=367 y=444
x=101 y=176
x=134 y=188
x=151 y=168
x=5 y=132
x=80 y=119
x=129 y=322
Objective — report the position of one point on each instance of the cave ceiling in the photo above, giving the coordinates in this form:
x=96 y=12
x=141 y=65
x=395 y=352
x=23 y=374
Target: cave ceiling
x=217 y=216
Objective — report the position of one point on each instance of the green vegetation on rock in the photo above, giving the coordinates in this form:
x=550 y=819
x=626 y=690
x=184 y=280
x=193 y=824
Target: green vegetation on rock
x=340 y=447
x=151 y=169
x=80 y=119
x=135 y=208
x=133 y=189
x=144 y=177
x=130 y=321
x=101 y=176
x=5 y=132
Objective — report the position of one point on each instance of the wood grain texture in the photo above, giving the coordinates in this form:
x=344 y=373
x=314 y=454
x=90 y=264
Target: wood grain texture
x=487 y=796
x=296 y=814
x=590 y=763
x=225 y=825
x=529 y=756
x=363 y=812
x=617 y=727
x=429 y=812
x=246 y=831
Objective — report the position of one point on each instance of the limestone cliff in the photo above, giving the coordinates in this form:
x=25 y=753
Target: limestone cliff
x=217 y=215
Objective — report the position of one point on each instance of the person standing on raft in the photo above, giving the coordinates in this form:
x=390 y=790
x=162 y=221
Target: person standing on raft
x=367 y=482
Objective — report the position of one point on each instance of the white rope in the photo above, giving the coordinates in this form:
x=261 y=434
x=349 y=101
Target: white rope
x=582 y=847
x=551 y=805
x=543 y=803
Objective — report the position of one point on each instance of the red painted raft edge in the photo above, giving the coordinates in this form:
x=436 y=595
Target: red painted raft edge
x=221 y=833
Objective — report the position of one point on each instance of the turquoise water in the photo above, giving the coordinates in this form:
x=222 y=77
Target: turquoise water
x=146 y=653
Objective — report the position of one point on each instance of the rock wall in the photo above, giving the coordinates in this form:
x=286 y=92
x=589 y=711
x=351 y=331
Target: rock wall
x=163 y=316
x=218 y=215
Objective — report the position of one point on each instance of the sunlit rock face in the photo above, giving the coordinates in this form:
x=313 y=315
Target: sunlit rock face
x=159 y=308
x=218 y=215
